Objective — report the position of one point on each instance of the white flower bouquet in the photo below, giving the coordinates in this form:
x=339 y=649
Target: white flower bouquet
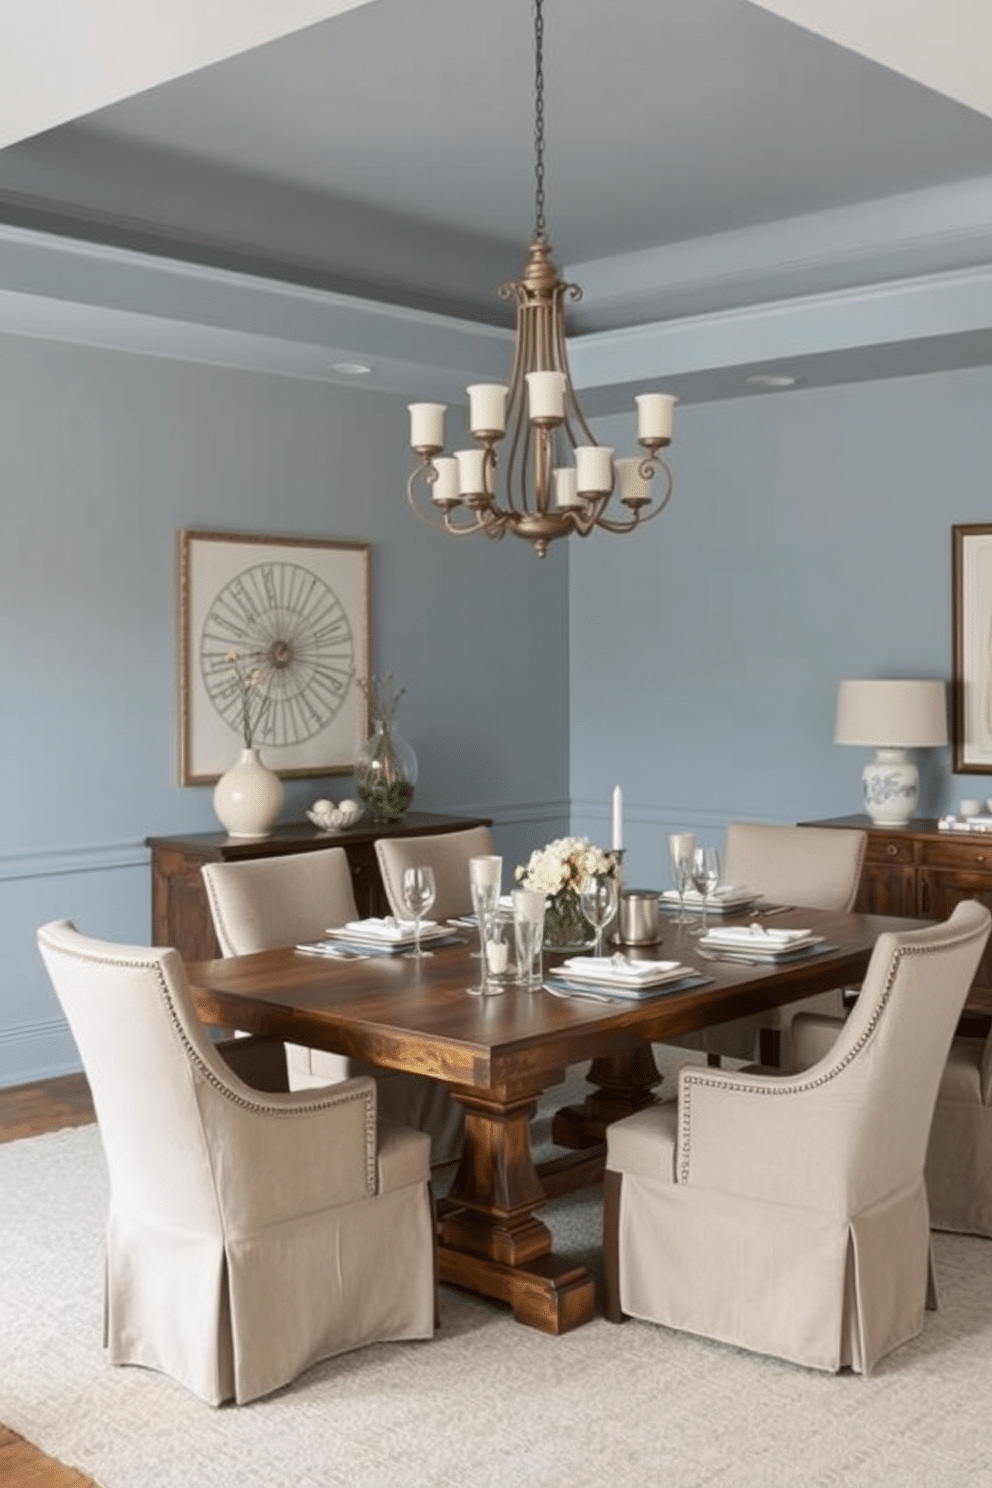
x=560 y=870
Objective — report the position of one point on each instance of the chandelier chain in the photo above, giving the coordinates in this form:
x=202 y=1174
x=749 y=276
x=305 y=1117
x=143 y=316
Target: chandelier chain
x=540 y=225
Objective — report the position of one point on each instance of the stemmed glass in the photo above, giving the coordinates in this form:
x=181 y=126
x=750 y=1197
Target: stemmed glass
x=705 y=877
x=485 y=876
x=419 y=891
x=681 y=847
x=598 y=902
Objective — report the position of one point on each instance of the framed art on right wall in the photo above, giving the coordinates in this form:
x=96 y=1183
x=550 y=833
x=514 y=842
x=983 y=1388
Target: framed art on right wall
x=971 y=579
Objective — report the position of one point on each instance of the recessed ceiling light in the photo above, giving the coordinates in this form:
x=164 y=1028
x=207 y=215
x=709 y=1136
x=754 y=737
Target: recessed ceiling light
x=351 y=369
x=772 y=380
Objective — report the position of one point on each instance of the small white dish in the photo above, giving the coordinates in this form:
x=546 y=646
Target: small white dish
x=328 y=817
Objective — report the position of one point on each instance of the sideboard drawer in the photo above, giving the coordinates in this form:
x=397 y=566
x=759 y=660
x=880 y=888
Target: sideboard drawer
x=958 y=854
x=889 y=850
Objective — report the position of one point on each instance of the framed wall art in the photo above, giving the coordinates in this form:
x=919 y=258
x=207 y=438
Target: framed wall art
x=971 y=575
x=277 y=627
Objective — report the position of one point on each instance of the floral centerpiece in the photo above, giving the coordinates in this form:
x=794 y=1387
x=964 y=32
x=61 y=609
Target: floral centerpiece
x=559 y=871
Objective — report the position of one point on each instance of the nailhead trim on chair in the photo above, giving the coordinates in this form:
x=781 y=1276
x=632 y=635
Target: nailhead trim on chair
x=263 y=1107
x=690 y=1077
x=227 y=945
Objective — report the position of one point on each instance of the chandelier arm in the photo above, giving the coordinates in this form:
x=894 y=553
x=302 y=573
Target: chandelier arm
x=441 y=521
x=644 y=512
x=518 y=454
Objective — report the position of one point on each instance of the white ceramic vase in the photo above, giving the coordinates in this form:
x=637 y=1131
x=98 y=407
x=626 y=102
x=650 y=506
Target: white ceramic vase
x=248 y=797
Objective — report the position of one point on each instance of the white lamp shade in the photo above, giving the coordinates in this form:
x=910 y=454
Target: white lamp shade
x=891 y=714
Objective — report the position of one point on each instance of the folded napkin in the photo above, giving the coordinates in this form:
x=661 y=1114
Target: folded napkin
x=755 y=935
x=618 y=970
x=388 y=929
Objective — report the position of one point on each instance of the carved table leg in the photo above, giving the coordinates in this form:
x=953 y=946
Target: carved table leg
x=488 y=1238
x=625 y=1084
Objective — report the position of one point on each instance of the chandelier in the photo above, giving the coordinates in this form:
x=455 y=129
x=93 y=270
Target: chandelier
x=555 y=479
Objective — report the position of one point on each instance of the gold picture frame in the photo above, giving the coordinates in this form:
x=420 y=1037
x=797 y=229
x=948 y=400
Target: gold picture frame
x=292 y=614
x=971 y=583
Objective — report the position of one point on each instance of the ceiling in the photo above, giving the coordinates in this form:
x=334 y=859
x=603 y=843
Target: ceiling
x=702 y=155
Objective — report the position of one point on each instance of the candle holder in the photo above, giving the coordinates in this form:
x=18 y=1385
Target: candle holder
x=614 y=935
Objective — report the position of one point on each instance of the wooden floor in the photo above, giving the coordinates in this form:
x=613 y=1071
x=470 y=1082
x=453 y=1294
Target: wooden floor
x=27 y=1111
x=48 y=1105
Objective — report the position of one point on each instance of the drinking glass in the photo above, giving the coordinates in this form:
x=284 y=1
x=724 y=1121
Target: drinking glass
x=528 y=931
x=485 y=876
x=681 y=846
x=419 y=891
x=598 y=902
x=705 y=877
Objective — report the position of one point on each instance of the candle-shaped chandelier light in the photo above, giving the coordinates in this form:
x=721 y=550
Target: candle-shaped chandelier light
x=555 y=479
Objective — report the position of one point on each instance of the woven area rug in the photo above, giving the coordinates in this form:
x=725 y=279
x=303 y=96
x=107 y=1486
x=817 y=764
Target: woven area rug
x=486 y=1402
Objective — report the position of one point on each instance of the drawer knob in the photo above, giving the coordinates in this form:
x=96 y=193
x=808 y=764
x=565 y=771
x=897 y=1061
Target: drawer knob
x=891 y=849
x=979 y=857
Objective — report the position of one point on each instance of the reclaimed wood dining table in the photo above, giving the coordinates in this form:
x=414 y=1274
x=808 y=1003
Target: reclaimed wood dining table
x=498 y=1053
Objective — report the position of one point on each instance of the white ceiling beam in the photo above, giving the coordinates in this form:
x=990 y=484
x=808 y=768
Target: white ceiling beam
x=60 y=59
x=945 y=46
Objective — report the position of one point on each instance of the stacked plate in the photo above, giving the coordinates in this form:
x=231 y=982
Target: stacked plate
x=758 y=942
x=389 y=934
x=727 y=899
x=617 y=976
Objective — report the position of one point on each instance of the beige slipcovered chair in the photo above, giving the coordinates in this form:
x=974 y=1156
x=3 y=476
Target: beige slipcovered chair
x=261 y=903
x=959 y=1156
x=809 y=867
x=788 y=1214
x=250 y=1233
x=447 y=853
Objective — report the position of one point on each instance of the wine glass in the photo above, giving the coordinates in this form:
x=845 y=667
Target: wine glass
x=598 y=902
x=419 y=891
x=705 y=876
x=681 y=846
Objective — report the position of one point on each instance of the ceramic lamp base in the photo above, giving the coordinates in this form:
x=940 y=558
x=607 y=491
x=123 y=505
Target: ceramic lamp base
x=890 y=788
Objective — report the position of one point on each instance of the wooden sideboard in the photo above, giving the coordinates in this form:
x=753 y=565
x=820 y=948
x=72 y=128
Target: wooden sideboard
x=923 y=872
x=181 y=914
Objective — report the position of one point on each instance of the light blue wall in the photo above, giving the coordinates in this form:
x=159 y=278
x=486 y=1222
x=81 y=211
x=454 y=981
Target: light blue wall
x=809 y=539
x=696 y=664
x=106 y=456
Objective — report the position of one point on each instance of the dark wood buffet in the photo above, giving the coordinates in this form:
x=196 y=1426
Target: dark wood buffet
x=923 y=872
x=181 y=914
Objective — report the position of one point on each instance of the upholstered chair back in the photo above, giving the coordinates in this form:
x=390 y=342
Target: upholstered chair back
x=265 y=902
x=447 y=853
x=128 y=1010
x=871 y=1097
x=292 y=898
x=811 y=867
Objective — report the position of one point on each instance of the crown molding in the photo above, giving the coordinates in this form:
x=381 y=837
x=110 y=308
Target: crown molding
x=98 y=295
x=119 y=299
x=912 y=235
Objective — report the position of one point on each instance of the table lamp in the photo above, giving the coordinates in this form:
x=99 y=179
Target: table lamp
x=891 y=717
